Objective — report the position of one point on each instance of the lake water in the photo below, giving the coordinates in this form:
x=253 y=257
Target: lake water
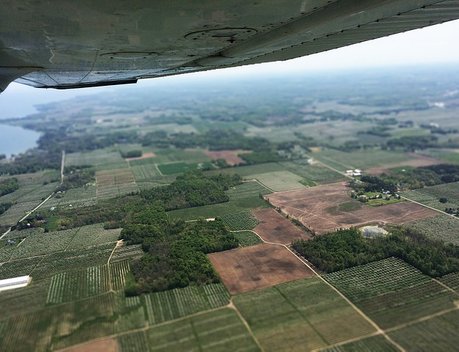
x=15 y=140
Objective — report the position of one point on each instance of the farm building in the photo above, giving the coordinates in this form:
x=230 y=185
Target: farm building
x=14 y=282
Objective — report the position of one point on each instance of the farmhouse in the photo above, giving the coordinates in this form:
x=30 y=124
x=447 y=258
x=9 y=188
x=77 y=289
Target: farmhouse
x=355 y=172
x=14 y=282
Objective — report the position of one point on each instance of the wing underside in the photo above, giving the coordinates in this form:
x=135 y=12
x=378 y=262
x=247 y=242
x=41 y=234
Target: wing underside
x=71 y=44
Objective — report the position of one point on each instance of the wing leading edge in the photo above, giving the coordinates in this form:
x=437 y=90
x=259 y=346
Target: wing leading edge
x=68 y=44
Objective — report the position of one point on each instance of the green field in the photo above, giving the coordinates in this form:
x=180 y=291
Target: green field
x=300 y=315
x=249 y=170
x=376 y=343
x=448 y=156
x=280 y=180
x=181 y=167
x=99 y=158
x=312 y=174
x=435 y=334
x=431 y=195
x=247 y=238
x=361 y=159
x=441 y=227
x=221 y=330
x=145 y=172
x=392 y=292
x=241 y=198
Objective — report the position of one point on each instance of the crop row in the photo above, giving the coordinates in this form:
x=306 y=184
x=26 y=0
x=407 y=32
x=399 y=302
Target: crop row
x=173 y=304
x=376 y=278
x=69 y=286
x=242 y=220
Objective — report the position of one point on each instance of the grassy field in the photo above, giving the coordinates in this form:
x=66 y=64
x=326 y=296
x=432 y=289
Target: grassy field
x=435 y=334
x=241 y=198
x=99 y=158
x=448 y=156
x=441 y=227
x=247 y=238
x=249 y=170
x=220 y=330
x=312 y=174
x=181 y=167
x=280 y=180
x=392 y=292
x=300 y=315
x=359 y=159
x=431 y=195
x=374 y=344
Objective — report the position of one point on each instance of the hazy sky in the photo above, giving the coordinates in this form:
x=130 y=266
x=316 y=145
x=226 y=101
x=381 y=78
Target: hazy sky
x=431 y=45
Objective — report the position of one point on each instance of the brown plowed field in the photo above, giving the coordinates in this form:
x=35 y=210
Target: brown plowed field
x=105 y=345
x=417 y=161
x=318 y=208
x=264 y=265
x=273 y=227
x=230 y=156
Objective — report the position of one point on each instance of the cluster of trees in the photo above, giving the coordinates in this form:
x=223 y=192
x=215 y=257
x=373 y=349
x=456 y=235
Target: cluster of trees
x=132 y=154
x=175 y=251
x=369 y=183
x=347 y=248
x=77 y=176
x=32 y=161
x=446 y=172
x=413 y=178
x=452 y=211
x=412 y=143
x=4 y=207
x=261 y=157
x=8 y=185
x=193 y=189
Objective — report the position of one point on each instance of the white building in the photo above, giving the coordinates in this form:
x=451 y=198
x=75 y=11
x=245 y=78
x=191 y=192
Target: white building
x=14 y=282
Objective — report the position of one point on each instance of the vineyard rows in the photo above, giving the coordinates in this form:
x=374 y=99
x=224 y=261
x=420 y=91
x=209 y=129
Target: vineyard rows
x=135 y=342
x=69 y=286
x=451 y=280
x=173 y=304
x=242 y=220
x=376 y=278
x=118 y=273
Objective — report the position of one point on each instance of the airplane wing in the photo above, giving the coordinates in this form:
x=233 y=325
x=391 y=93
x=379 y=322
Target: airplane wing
x=85 y=43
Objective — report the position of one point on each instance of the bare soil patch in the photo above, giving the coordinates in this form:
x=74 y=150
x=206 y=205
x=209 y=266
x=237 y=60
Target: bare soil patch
x=230 y=156
x=273 y=227
x=318 y=208
x=105 y=345
x=250 y=268
x=417 y=161
x=144 y=156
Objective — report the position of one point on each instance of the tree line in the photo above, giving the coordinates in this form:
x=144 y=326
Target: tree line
x=347 y=248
